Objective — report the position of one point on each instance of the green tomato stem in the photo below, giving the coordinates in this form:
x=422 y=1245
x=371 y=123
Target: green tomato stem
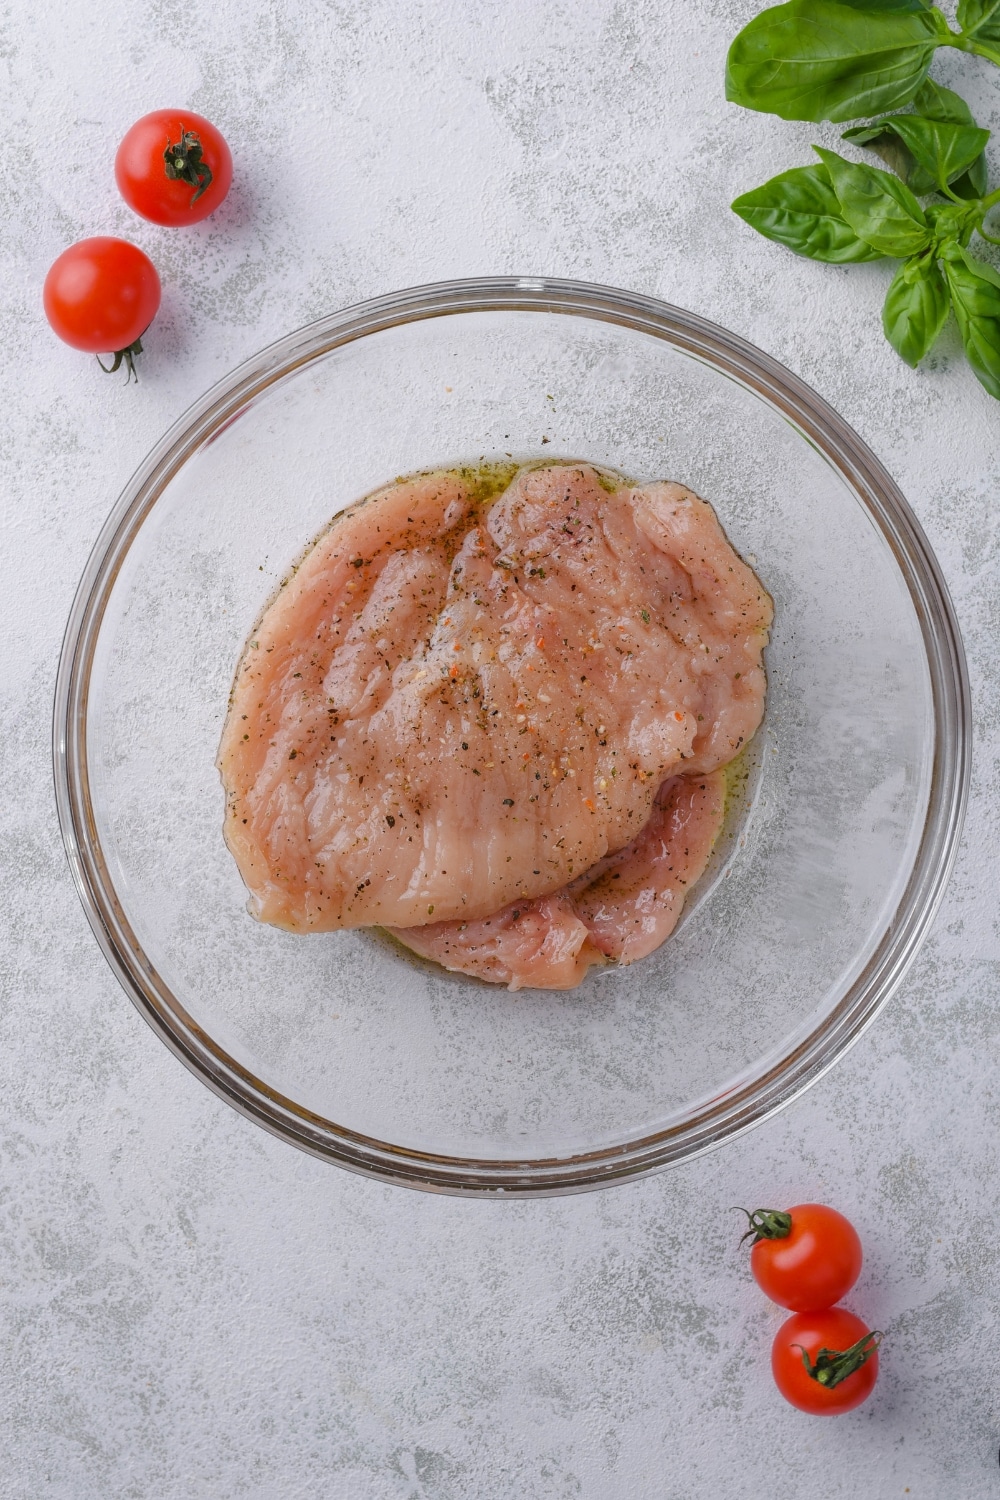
x=831 y=1366
x=124 y=357
x=185 y=163
x=766 y=1224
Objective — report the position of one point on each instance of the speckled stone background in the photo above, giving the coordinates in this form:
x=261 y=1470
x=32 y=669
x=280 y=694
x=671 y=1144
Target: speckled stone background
x=188 y=1307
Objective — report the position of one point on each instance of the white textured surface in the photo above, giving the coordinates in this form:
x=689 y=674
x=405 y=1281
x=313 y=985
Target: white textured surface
x=191 y=1309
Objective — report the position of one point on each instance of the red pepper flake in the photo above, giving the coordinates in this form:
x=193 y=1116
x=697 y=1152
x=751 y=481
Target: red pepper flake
x=453 y=672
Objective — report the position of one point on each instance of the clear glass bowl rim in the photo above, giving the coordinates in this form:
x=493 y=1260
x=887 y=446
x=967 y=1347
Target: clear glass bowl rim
x=731 y=1113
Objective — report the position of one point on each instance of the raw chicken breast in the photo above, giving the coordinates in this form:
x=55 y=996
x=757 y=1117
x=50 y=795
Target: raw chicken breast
x=455 y=705
x=623 y=908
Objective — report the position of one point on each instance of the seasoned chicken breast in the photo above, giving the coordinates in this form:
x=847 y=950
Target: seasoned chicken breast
x=622 y=909
x=455 y=705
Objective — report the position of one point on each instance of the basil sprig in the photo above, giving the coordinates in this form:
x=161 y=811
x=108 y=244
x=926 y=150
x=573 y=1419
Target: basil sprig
x=844 y=212
x=842 y=59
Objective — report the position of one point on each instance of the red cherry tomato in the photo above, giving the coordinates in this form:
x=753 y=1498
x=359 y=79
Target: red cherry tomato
x=812 y=1263
x=173 y=167
x=842 y=1361
x=101 y=295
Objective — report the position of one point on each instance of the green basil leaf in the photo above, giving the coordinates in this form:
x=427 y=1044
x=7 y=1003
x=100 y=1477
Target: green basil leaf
x=800 y=209
x=944 y=151
x=937 y=152
x=888 y=5
x=974 y=182
x=980 y=23
x=958 y=255
x=975 y=13
x=820 y=60
x=879 y=208
x=975 y=296
x=916 y=306
x=953 y=221
x=888 y=146
x=935 y=102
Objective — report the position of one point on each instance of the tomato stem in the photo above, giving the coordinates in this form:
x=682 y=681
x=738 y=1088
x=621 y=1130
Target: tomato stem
x=834 y=1365
x=185 y=163
x=124 y=357
x=766 y=1224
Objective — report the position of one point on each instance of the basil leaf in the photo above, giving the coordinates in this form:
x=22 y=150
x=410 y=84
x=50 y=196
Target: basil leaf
x=916 y=307
x=980 y=23
x=944 y=151
x=935 y=102
x=879 y=208
x=958 y=255
x=820 y=60
x=953 y=221
x=975 y=296
x=800 y=209
x=974 y=182
x=888 y=146
x=888 y=5
x=937 y=152
x=975 y=13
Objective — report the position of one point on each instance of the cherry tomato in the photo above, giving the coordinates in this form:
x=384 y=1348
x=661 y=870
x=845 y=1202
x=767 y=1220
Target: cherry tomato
x=806 y=1257
x=101 y=295
x=173 y=167
x=840 y=1367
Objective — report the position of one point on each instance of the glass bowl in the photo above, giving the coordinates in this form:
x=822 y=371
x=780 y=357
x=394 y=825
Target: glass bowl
x=836 y=851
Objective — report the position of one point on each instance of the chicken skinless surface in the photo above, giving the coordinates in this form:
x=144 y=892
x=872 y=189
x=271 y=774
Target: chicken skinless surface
x=458 y=704
x=622 y=909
